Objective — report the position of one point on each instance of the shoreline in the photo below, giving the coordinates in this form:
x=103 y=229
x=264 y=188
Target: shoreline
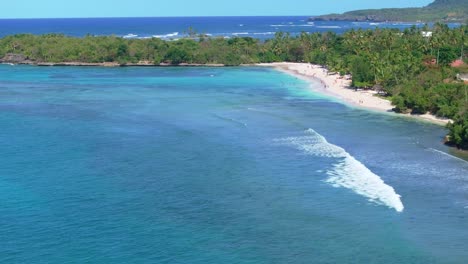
x=109 y=64
x=339 y=87
x=332 y=85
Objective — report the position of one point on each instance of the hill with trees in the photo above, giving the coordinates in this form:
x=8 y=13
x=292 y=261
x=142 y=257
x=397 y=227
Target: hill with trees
x=439 y=10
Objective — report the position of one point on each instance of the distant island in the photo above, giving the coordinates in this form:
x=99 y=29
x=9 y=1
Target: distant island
x=438 y=11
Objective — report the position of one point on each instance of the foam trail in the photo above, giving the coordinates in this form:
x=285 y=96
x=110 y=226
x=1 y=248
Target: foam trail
x=347 y=172
x=230 y=120
x=446 y=154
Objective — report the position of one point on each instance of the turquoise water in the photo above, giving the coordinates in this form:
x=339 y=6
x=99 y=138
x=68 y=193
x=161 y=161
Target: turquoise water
x=202 y=165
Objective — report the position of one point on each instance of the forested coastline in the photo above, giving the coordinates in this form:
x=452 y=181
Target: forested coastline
x=439 y=10
x=414 y=68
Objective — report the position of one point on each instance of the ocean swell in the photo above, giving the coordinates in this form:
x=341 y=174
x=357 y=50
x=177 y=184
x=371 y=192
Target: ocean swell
x=347 y=172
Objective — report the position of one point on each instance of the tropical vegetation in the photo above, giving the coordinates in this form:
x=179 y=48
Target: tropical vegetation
x=439 y=10
x=411 y=67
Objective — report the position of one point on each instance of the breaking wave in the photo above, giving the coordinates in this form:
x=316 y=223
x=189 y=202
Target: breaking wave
x=291 y=25
x=174 y=34
x=130 y=36
x=347 y=172
x=240 y=33
x=265 y=33
x=328 y=27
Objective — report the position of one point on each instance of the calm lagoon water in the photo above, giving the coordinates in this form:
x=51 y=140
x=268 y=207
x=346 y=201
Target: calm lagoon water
x=204 y=165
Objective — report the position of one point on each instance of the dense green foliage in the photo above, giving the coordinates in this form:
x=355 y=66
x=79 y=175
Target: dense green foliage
x=412 y=68
x=439 y=10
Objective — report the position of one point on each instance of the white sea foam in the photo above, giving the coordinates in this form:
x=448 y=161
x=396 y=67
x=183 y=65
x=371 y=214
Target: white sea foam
x=347 y=172
x=240 y=33
x=289 y=25
x=328 y=26
x=130 y=36
x=174 y=34
x=265 y=33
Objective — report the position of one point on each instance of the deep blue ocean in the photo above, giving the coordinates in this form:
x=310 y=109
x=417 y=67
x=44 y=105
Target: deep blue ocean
x=177 y=27
x=217 y=165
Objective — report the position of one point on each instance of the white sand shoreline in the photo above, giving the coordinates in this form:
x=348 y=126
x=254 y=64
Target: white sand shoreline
x=339 y=87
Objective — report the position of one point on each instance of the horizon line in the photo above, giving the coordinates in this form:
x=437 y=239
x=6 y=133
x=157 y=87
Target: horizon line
x=17 y=18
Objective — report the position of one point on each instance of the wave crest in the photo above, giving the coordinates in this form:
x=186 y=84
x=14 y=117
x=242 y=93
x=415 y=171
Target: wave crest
x=174 y=34
x=347 y=172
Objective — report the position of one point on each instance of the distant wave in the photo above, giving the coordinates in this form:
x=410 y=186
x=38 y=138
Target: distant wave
x=264 y=33
x=407 y=24
x=290 y=25
x=447 y=155
x=328 y=27
x=347 y=172
x=130 y=36
x=174 y=34
x=236 y=34
x=177 y=34
x=367 y=23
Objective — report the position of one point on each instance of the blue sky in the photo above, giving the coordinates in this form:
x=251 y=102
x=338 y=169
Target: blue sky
x=136 y=8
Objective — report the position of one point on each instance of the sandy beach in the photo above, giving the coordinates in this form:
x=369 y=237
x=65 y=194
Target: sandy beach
x=337 y=86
